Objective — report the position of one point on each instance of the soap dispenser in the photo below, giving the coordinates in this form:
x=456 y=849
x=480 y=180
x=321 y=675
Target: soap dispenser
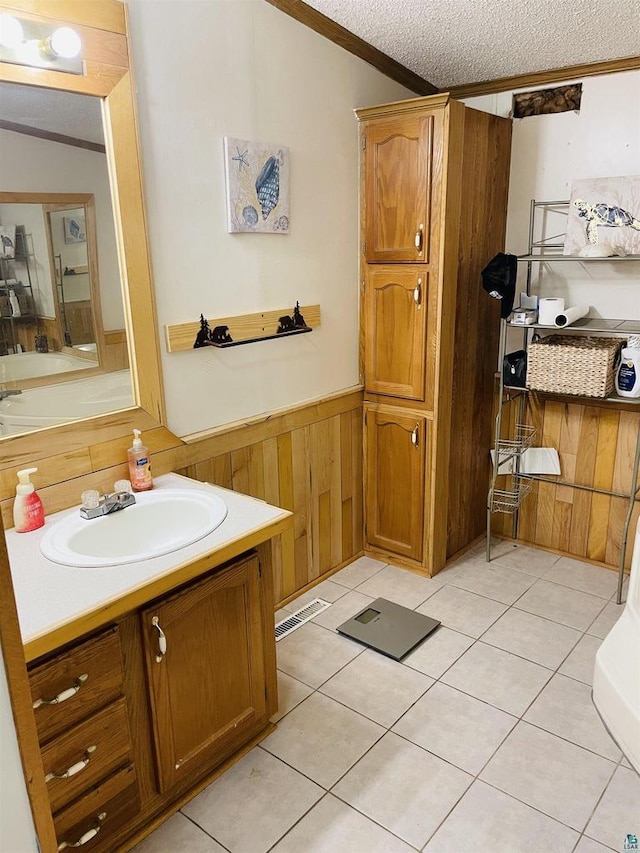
x=139 y=465
x=28 y=512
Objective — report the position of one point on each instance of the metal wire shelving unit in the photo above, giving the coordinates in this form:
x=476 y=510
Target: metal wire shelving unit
x=508 y=451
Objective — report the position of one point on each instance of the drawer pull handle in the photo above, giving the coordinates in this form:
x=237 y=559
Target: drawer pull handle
x=417 y=293
x=162 y=640
x=74 y=769
x=84 y=839
x=418 y=239
x=62 y=697
x=415 y=435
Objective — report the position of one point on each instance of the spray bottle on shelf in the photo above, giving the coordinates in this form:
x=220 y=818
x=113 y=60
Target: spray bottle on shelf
x=28 y=512
x=15 y=305
x=628 y=372
x=139 y=465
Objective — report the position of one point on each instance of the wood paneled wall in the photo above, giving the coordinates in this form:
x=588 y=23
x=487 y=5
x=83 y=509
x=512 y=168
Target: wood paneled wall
x=114 y=350
x=314 y=470
x=596 y=444
x=307 y=459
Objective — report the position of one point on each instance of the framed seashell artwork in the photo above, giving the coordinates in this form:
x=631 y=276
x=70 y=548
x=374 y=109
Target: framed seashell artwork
x=257 y=187
x=604 y=213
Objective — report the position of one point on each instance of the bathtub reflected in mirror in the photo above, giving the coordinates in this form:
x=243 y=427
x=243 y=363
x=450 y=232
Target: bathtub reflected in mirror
x=18 y=367
x=64 y=402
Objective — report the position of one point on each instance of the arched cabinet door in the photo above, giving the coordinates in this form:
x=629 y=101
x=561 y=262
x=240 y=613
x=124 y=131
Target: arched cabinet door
x=206 y=672
x=395 y=459
x=396 y=308
x=397 y=176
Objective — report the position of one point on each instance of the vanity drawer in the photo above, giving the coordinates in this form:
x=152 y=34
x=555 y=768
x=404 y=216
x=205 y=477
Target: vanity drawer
x=80 y=680
x=88 y=753
x=91 y=822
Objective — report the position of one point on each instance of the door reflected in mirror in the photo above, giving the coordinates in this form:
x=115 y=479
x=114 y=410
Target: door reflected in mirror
x=61 y=310
x=74 y=281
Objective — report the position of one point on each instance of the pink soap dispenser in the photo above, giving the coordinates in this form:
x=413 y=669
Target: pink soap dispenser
x=28 y=512
x=139 y=465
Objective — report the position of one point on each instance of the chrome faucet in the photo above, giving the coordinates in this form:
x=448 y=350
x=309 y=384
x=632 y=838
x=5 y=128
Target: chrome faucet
x=108 y=504
x=9 y=392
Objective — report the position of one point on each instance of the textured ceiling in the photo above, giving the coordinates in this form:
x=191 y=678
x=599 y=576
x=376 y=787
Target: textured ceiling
x=452 y=42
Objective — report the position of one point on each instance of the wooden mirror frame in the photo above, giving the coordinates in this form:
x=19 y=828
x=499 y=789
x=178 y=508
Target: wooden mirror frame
x=102 y=27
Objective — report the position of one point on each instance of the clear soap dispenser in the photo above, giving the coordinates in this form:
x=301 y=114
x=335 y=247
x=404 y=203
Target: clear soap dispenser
x=139 y=465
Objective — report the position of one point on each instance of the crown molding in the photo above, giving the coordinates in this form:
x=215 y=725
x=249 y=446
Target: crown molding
x=318 y=22
x=541 y=78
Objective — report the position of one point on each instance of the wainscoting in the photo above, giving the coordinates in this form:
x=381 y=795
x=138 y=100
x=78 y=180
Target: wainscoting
x=596 y=444
x=309 y=462
x=307 y=459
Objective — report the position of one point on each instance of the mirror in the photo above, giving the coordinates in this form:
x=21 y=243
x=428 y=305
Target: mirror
x=61 y=276
x=81 y=450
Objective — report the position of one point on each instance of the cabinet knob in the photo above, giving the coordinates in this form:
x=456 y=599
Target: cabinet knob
x=62 y=697
x=415 y=435
x=418 y=239
x=87 y=836
x=417 y=293
x=74 y=769
x=162 y=640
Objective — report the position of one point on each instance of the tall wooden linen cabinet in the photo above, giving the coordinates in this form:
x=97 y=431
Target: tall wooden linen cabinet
x=434 y=189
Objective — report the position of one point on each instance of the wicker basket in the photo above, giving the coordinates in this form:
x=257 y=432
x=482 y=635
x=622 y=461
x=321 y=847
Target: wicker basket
x=573 y=365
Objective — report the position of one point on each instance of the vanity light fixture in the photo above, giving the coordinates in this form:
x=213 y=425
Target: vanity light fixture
x=24 y=42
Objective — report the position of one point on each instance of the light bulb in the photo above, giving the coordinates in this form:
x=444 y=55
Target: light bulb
x=65 y=43
x=11 y=33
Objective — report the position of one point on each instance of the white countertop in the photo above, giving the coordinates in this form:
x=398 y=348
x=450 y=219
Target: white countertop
x=50 y=596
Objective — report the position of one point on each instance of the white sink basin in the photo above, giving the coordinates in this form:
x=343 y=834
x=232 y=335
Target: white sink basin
x=160 y=522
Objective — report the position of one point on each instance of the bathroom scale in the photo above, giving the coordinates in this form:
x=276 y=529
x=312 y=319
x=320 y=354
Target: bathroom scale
x=388 y=628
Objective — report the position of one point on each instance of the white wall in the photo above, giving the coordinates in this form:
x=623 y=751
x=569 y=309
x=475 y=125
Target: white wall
x=549 y=152
x=241 y=68
x=35 y=165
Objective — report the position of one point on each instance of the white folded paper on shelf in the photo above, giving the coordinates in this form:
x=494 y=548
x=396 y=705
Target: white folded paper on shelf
x=535 y=460
x=570 y=315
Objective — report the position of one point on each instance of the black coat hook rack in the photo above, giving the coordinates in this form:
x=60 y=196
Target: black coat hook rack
x=220 y=336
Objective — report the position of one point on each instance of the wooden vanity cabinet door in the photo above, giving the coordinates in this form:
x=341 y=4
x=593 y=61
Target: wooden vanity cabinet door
x=395 y=460
x=396 y=307
x=397 y=174
x=209 y=688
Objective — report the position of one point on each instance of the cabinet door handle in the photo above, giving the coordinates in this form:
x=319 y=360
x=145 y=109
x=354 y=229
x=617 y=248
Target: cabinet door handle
x=62 y=697
x=417 y=293
x=415 y=435
x=418 y=239
x=74 y=769
x=162 y=640
x=88 y=835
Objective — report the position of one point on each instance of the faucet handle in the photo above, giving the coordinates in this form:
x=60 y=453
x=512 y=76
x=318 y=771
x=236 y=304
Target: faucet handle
x=122 y=486
x=90 y=499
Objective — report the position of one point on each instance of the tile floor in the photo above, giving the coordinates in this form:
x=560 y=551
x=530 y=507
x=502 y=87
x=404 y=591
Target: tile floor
x=484 y=739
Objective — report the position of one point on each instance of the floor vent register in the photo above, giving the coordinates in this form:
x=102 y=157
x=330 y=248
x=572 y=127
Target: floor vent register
x=295 y=620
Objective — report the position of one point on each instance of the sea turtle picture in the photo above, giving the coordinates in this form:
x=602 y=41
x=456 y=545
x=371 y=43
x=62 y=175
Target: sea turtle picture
x=606 y=216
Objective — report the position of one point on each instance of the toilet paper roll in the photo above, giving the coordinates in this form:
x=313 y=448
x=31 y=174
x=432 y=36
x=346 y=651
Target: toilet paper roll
x=570 y=315
x=548 y=309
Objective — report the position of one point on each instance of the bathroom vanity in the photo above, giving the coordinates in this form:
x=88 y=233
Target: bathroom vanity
x=147 y=677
